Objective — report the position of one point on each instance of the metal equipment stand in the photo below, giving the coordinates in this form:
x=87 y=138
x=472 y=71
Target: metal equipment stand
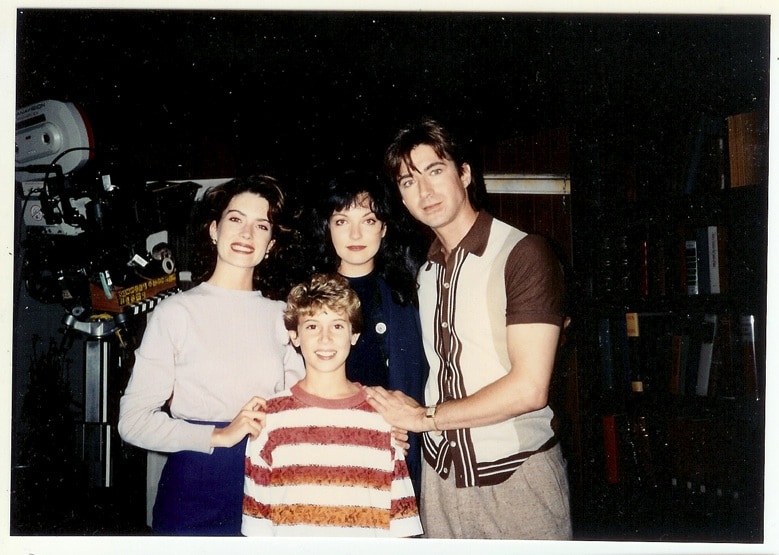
x=96 y=428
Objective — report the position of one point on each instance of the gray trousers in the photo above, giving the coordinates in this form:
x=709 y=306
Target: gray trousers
x=533 y=504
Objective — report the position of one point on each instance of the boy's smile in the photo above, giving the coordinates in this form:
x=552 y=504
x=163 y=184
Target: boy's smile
x=325 y=338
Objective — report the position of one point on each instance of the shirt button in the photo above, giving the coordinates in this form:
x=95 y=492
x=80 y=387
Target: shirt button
x=446 y=285
x=452 y=444
x=444 y=325
x=446 y=471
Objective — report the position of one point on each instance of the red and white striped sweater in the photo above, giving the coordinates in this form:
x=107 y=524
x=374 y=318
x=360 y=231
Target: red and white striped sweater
x=326 y=467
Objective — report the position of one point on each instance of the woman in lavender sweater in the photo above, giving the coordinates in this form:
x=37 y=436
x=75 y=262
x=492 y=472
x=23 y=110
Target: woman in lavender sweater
x=208 y=358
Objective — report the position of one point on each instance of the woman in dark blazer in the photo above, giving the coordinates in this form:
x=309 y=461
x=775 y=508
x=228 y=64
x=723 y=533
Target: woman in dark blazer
x=363 y=233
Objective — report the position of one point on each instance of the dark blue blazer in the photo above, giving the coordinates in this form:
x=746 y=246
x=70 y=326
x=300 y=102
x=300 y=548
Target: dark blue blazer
x=408 y=367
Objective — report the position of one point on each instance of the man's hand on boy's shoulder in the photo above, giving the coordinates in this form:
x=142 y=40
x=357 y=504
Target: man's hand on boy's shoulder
x=397 y=408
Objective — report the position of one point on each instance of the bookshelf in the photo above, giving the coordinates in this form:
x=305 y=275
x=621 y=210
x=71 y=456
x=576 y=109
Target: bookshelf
x=654 y=453
x=669 y=331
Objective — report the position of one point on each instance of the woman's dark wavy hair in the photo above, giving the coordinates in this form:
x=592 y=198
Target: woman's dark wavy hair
x=400 y=252
x=269 y=275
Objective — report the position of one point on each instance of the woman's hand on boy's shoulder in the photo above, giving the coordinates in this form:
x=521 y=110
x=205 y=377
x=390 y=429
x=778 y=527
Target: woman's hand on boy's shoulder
x=249 y=421
x=400 y=438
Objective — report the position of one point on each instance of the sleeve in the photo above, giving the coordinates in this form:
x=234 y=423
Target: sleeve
x=404 y=514
x=142 y=422
x=294 y=367
x=255 y=520
x=534 y=283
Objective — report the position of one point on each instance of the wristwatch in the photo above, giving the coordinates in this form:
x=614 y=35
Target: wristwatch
x=430 y=413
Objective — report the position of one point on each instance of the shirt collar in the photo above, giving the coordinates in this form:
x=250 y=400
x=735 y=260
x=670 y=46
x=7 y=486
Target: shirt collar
x=475 y=241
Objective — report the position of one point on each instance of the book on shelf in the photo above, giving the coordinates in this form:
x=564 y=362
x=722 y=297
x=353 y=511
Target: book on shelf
x=660 y=264
x=723 y=381
x=693 y=357
x=649 y=342
x=623 y=354
x=614 y=261
x=749 y=356
x=629 y=449
x=707 y=167
x=605 y=354
x=657 y=332
x=708 y=333
x=717 y=258
x=670 y=261
x=692 y=278
x=702 y=356
x=636 y=360
x=611 y=448
x=703 y=256
x=705 y=259
x=630 y=453
x=745 y=149
x=643 y=268
x=643 y=438
x=680 y=348
x=622 y=456
x=655 y=263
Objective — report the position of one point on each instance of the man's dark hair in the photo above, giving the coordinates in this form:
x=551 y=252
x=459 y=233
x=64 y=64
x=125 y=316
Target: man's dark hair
x=428 y=131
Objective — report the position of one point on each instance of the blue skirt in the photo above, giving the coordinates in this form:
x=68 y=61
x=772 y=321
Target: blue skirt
x=201 y=494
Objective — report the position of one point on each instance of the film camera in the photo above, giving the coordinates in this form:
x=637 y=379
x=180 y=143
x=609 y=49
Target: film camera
x=98 y=238
x=100 y=241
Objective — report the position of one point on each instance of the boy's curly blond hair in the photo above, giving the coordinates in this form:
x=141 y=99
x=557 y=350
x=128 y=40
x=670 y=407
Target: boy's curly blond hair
x=323 y=291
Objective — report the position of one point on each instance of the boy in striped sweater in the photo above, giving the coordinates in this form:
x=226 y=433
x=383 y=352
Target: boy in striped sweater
x=325 y=463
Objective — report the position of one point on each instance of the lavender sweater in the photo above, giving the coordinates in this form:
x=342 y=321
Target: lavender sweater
x=208 y=350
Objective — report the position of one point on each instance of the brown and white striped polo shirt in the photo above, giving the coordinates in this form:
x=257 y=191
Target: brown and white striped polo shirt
x=497 y=276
